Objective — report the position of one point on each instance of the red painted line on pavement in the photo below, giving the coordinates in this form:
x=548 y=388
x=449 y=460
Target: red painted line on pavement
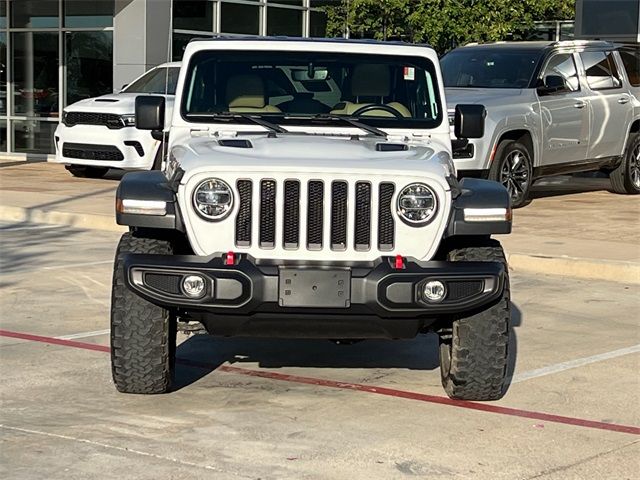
x=390 y=392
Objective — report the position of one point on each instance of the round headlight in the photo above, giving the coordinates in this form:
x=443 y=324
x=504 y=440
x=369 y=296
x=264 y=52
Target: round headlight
x=417 y=204
x=213 y=199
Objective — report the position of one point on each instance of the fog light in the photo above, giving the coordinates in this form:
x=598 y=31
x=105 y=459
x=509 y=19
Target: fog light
x=193 y=286
x=434 y=291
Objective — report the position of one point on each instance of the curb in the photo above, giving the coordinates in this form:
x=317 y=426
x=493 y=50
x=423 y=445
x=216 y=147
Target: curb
x=79 y=220
x=584 y=268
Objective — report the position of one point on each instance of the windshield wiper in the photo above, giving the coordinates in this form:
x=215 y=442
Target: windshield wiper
x=362 y=126
x=230 y=115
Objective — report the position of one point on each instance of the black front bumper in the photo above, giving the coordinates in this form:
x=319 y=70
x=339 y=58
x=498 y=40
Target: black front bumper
x=361 y=292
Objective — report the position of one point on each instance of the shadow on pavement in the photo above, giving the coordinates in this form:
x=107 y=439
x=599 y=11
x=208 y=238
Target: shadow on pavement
x=207 y=353
x=569 y=185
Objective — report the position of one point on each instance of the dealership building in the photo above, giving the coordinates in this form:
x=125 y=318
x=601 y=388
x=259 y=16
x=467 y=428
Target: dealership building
x=56 y=52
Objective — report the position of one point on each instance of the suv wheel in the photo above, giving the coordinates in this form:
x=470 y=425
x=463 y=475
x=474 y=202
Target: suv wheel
x=143 y=335
x=626 y=178
x=473 y=352
x=82 y=171
x=512 y=167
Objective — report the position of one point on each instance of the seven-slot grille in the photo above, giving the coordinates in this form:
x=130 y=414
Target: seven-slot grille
x=314 y=212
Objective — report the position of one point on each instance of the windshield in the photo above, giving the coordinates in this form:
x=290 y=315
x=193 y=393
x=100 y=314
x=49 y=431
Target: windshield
x=156 y=81
x=488 y=69
x=298 y=87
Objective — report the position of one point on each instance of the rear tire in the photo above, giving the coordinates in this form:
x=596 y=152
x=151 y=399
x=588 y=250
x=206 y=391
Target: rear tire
x=513 y=168
x=143 y=335
x=626 y=178
x=83 y=171
x=474 y=351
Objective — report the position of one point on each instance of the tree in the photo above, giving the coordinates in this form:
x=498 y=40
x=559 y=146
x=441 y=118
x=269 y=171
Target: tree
x=442 y=23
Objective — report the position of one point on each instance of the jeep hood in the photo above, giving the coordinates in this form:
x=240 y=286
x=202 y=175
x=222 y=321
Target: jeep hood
x=308 y=153
x=483 y=96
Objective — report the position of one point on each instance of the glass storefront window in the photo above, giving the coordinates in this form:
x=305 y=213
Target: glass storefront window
x=35 y=74
x=237 y=18
x=297 y=3
x=88 y=14
x=33 y=136
x=3 y=14
x=3 y=73
x=34 y=13
x=3 y=135
x=179 y=43
x=89 y=60
x=317 y=24
x=284 y=21
x=193 y=15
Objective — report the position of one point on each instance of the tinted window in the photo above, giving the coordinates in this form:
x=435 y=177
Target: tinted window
x=601 y=70
x=488 y=69
x=631 y=61
x=158 y=80
x=562 y=65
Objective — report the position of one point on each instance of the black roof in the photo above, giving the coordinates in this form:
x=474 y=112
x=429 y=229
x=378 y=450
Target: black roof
x=537 y=46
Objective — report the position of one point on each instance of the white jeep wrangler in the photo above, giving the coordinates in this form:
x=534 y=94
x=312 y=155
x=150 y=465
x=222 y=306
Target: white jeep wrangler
x=309 y=192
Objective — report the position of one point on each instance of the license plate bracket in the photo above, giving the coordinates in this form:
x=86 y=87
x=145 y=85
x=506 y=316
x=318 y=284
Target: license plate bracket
x=315 y=288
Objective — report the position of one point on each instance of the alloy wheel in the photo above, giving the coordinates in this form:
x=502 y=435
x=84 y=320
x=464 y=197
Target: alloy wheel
x=515 y=175
x=634 y=167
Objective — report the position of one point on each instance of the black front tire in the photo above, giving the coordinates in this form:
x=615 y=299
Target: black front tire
x=513 y=167
x=474 y=351
x=83 y=171
x=143 y=335
x=626 y=178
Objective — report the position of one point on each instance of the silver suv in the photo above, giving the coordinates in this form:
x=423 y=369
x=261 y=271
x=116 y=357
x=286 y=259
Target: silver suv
x=552 y=108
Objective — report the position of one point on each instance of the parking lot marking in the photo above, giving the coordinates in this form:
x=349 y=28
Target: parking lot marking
x=113 y=447
x=578 y=362
x=73 y=336
x=390 y=392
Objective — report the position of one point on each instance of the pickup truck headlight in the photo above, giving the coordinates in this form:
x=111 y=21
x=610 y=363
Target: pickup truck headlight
x=417 y=204
x=213 y=199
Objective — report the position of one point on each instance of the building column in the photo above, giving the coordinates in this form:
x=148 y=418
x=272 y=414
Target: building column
x=141 y=36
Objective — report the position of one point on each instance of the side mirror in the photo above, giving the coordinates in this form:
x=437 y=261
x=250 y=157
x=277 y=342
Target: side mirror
x=469 y=121
x=551 y=84
x=150 y=112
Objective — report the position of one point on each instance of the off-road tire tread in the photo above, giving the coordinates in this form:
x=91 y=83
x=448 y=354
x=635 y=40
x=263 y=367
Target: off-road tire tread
x=479 y=345
x=143 y=335
x=620 y=181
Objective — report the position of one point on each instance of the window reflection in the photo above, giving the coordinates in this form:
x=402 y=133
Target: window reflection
x=89 y=64
x=31 y=136
x=88 y=14
x=34 y=13
x=193 y=15
x=284 y=21
x=35 y=73
x=236 y=18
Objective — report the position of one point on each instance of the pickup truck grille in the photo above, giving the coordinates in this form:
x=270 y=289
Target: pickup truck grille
x=315 y=215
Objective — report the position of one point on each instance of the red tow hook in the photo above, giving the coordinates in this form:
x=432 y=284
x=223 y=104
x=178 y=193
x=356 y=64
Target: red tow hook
x=230 y=258
x=399 y=263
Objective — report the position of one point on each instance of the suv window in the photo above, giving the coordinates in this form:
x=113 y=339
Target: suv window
x=563 y=65
x=601 y=70
x=490 y=68
x=631 y=62
x=156 y=81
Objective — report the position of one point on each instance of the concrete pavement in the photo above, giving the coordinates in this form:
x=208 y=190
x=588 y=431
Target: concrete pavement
x=573 y=227
x=246 y=414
